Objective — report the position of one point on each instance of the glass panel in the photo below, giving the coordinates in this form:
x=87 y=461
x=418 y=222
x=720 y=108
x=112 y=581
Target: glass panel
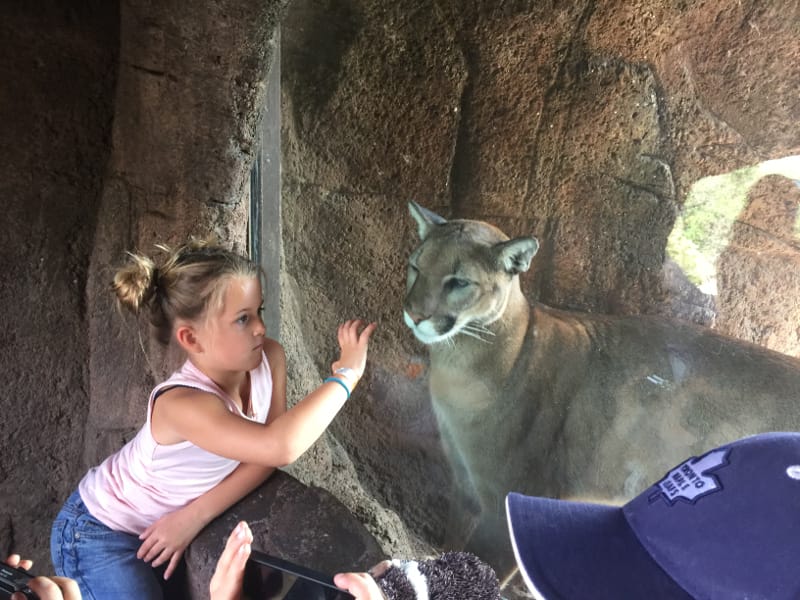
x=632 y=142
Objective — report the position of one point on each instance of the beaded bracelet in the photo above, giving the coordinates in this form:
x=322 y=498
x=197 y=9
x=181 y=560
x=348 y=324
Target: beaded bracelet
x=340 y=382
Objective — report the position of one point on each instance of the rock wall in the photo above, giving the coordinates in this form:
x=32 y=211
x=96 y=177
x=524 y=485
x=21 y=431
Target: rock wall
x=758 y=272
x=58 y=64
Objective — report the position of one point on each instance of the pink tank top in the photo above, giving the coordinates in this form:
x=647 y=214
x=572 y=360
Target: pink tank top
x=145 y=480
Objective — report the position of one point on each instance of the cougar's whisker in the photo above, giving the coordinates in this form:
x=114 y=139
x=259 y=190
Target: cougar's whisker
x=466 y=331
x=478 y=328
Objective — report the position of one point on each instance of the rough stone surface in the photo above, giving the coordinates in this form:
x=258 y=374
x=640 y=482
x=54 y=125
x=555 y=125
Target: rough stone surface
x=58 y=65
x=759 y=272
x=304 y=525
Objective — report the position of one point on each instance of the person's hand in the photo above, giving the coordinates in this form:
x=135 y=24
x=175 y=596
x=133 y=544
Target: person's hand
x=46 y=588
x=166 y=539
x=353 y=344
x=226 y=583
x=360 y=585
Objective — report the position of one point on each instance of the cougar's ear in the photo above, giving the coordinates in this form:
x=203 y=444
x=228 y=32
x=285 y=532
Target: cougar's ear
x=425 y=219
x=514 y=256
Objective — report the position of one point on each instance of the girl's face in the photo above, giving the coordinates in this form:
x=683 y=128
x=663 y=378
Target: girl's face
x=233 y=335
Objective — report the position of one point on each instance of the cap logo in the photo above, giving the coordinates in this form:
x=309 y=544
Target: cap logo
x=690 y=480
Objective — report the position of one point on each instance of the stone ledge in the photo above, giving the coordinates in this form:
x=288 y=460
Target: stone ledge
x=305 y=525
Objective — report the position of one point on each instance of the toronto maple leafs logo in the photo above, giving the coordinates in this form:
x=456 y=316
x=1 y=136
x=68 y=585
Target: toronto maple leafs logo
x=692 y=480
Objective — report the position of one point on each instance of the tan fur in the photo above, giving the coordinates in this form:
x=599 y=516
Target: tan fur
x=566 y=404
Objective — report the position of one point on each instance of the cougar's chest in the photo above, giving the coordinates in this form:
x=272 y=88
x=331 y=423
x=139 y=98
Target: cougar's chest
x=470 y=374
x=460 y=389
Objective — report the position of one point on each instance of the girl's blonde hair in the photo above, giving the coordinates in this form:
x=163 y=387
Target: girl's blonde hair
x=188 y=282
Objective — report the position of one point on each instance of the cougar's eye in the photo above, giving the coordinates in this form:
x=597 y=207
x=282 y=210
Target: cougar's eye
x=456 y=283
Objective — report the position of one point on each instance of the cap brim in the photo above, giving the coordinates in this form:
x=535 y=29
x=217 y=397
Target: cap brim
x=581 y=551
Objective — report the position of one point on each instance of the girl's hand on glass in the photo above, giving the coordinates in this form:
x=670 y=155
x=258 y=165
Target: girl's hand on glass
x=353 y=339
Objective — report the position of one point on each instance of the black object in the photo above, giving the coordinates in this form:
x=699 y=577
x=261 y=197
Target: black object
x=15 y=580
x=270 y=578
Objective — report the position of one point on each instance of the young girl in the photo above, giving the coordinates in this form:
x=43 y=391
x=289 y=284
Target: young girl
x=214 y=430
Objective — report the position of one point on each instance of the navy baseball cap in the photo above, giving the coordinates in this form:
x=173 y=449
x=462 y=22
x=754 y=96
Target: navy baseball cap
x=723 y=526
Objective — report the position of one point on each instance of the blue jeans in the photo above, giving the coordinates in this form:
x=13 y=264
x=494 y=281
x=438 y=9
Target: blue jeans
x=101 y=560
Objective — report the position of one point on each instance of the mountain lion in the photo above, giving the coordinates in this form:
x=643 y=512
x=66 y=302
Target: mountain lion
x=565 y=404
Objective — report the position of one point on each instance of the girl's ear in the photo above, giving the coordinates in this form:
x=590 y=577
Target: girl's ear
x=188 y=340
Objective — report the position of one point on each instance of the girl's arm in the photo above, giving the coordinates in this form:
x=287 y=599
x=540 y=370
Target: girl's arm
x=167 y=538
x=205 y=421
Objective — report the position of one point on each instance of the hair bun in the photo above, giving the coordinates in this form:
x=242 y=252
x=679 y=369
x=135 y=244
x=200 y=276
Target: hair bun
x=135 y=283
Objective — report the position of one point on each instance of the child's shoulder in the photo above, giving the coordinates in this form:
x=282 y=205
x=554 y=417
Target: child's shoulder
x=182 y=393
x=275 y=353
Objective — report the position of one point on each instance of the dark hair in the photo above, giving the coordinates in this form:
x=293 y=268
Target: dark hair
x=190 y=279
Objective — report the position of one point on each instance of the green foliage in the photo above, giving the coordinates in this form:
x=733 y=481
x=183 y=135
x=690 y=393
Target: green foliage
x=703 y=229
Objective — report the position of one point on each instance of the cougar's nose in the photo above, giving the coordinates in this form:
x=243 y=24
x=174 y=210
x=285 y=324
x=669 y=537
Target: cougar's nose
x=416 y=318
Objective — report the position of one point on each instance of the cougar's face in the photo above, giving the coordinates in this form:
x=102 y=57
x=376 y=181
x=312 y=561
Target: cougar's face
x=454 y=287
